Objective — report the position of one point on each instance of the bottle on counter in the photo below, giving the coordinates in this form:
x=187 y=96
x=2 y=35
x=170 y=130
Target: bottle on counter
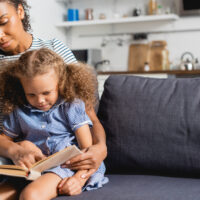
x=146 y=66
x=152 y=7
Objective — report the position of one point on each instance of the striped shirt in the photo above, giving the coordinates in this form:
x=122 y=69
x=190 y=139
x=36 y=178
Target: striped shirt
x=53 y=44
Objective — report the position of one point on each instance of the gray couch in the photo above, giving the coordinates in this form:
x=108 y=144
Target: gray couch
x=153 y=139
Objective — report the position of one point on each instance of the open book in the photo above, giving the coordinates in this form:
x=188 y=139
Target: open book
x=35 y=171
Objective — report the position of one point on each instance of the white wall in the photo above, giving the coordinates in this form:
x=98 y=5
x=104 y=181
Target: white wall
x=46 y=13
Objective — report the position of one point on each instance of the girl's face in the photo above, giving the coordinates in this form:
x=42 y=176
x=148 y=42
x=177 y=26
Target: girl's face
x=11 y=28
x=42 y=90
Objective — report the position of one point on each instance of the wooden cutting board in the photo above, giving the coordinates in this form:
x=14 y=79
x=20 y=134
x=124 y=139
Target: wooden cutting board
x=154 y=53
x=138 y=55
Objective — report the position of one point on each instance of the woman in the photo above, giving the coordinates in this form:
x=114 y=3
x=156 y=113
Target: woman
x=14 y=40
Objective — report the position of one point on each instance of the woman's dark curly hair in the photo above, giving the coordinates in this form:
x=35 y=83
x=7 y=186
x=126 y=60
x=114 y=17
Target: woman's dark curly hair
x=76 y=80
x=26 y=20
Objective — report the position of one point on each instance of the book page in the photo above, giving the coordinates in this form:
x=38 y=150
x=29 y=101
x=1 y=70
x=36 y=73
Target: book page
x=56 y=159
x=12 y=167
x=14 y=172
x=33 y=175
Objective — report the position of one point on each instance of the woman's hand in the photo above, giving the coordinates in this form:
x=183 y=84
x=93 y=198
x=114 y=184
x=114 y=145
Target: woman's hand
x=27 y=154
x=25 y=158
x=90 y=160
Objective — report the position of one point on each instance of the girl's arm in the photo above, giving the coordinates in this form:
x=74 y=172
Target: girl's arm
x=94 y=154
x=84 y=137
x=74 y=184
x=17 y=153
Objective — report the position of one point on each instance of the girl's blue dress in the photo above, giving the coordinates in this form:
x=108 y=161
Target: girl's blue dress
x=52 y=131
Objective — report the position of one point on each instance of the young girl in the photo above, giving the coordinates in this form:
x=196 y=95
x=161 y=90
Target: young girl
x=46 y=100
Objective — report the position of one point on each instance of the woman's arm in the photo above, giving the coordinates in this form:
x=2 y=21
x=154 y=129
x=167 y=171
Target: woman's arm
x=93 y=155
x=7 y=147
x=17 y=153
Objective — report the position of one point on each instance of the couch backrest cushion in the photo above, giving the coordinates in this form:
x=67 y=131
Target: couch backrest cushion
x=152 y=125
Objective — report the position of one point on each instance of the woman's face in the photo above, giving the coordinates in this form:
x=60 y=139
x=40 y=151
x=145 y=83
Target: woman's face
x=11 y=28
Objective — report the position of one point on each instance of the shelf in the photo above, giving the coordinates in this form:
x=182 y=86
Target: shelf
x=151 y=18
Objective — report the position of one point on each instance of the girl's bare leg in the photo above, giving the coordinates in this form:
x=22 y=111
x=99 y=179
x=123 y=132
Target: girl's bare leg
x=43 y=188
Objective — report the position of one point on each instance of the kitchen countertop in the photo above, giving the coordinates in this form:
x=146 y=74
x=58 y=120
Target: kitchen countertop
x=102 y=76
x=172 y=72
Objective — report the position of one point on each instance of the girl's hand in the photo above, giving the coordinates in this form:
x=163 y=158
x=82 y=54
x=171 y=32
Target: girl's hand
x=71 y=186
x=90 y=160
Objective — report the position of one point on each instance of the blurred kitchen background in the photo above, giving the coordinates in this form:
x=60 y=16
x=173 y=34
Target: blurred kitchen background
x=124 y=35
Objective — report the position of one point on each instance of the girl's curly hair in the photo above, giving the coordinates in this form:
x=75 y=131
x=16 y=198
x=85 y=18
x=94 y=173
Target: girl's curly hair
x=76 y=80
x=26 y=20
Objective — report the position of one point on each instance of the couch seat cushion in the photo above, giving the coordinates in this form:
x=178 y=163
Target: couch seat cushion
x=143 y=187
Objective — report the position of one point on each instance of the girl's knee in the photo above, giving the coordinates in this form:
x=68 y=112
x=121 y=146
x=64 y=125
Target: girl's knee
x=29 y=193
